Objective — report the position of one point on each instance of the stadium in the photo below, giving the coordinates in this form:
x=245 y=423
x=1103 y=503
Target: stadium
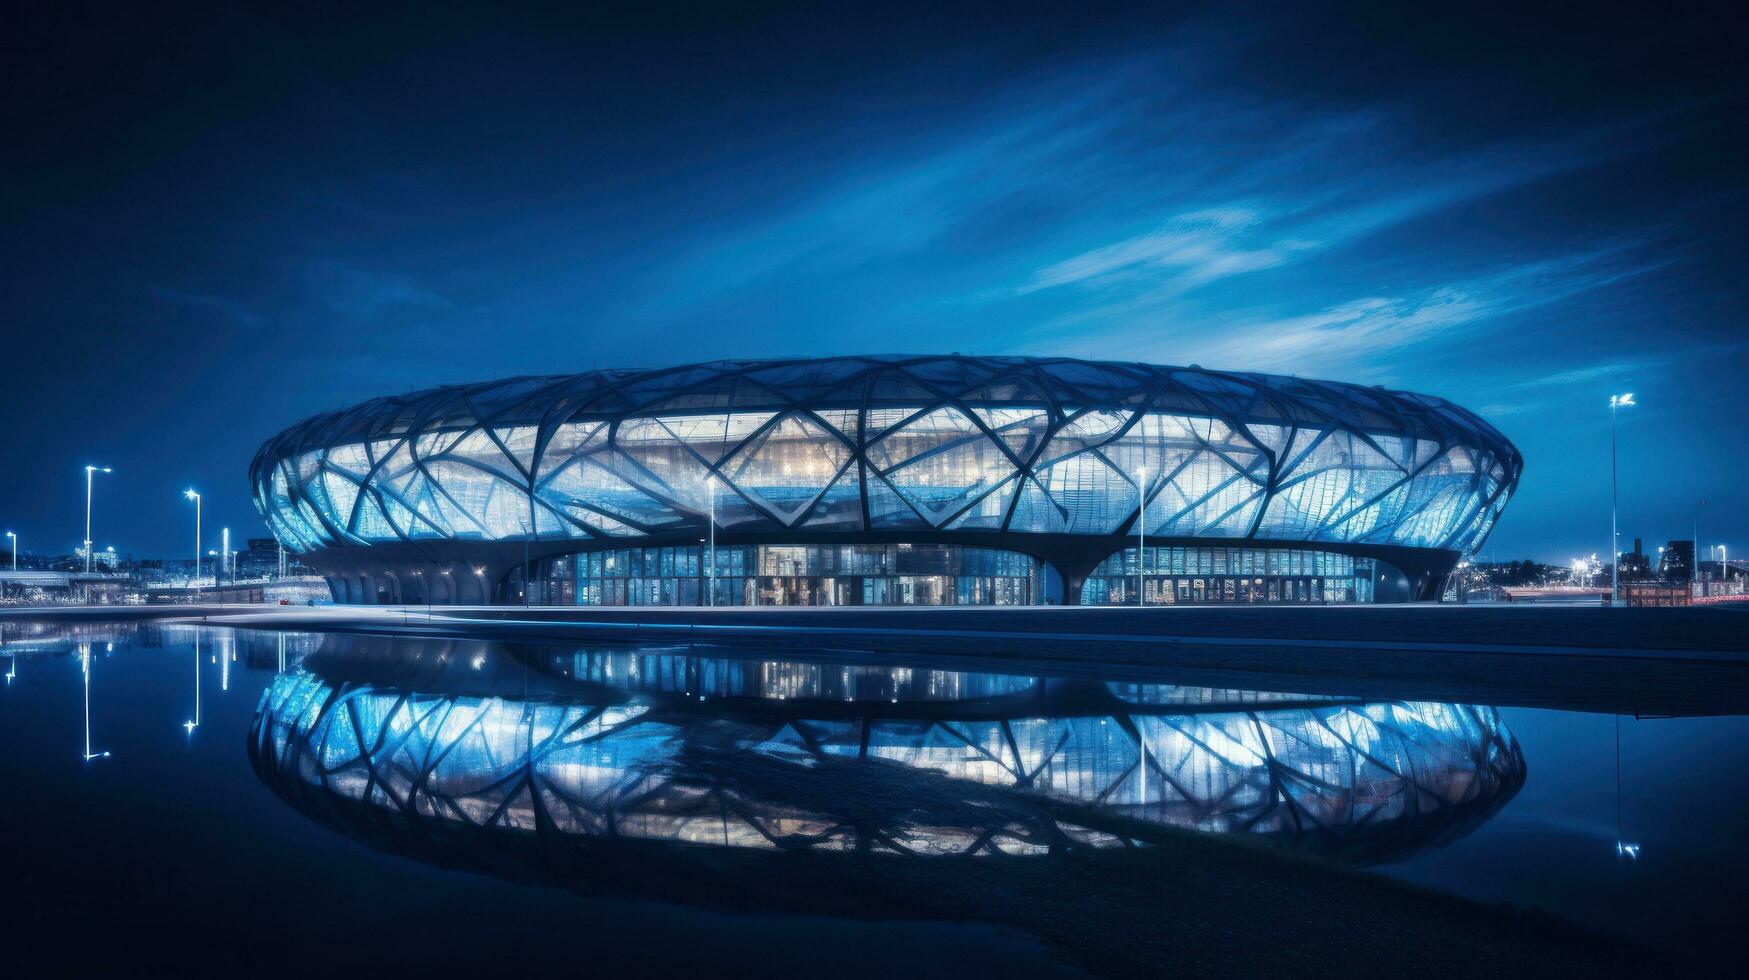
x=889 y=480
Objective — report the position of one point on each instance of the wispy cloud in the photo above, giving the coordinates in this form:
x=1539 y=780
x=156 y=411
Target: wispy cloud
x=223 y=307
x=1307 y=212
x=1367 y=329
x=363 y=294
x=1627 y=372
x=1193 y=248
x=1379 y=333
x=1589 y=373
x=1126 y=214
x=878 y=210
x=1502 y=410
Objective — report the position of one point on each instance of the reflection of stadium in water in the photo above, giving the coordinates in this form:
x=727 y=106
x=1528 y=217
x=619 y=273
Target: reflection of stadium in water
x=424 y=752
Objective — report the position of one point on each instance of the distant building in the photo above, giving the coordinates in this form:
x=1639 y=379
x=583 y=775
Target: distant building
x=1677 y=561
x=40 y=587
x=264 y=558
x=1635 y=566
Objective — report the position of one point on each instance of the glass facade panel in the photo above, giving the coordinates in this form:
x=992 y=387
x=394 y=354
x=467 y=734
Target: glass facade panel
x=1229 y=576
x=787 y=465
x=793 y=575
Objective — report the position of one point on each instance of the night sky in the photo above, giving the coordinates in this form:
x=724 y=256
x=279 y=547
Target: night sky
x=217 y=223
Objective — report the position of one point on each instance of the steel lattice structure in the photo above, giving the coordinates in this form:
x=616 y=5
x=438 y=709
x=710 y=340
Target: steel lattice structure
x=970 y=759
x=1039 y=455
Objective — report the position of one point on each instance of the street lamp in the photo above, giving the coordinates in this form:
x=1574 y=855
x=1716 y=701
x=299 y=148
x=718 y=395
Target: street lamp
x=90 y=471
x=191 y=495
x=14 y=538
x=1615 y=402
x=1694 y=554
x=711 y=561
x=1141 y=535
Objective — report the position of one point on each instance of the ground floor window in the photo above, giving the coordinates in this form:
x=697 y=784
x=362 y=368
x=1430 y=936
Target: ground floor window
x=1229 y=576
x=793 y=575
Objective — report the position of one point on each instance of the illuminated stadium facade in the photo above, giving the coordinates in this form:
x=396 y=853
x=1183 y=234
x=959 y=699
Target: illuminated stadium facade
x=888 y=480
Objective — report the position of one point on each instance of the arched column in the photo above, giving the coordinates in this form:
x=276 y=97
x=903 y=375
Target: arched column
x=470 y=588
x=448 y=586
x=391 y=585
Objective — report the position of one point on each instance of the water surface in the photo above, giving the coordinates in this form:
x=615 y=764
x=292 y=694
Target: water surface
x=198 y=790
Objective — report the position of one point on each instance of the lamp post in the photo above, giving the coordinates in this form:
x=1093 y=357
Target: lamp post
x=1615 y=402
x=711 y=561
x=90 y=471
x=1694 y=554
x=1141 y=535
x=191 y=495
x=14 y=538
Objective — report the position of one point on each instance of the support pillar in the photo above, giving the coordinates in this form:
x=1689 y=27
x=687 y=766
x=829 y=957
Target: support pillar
x=1074 y=574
